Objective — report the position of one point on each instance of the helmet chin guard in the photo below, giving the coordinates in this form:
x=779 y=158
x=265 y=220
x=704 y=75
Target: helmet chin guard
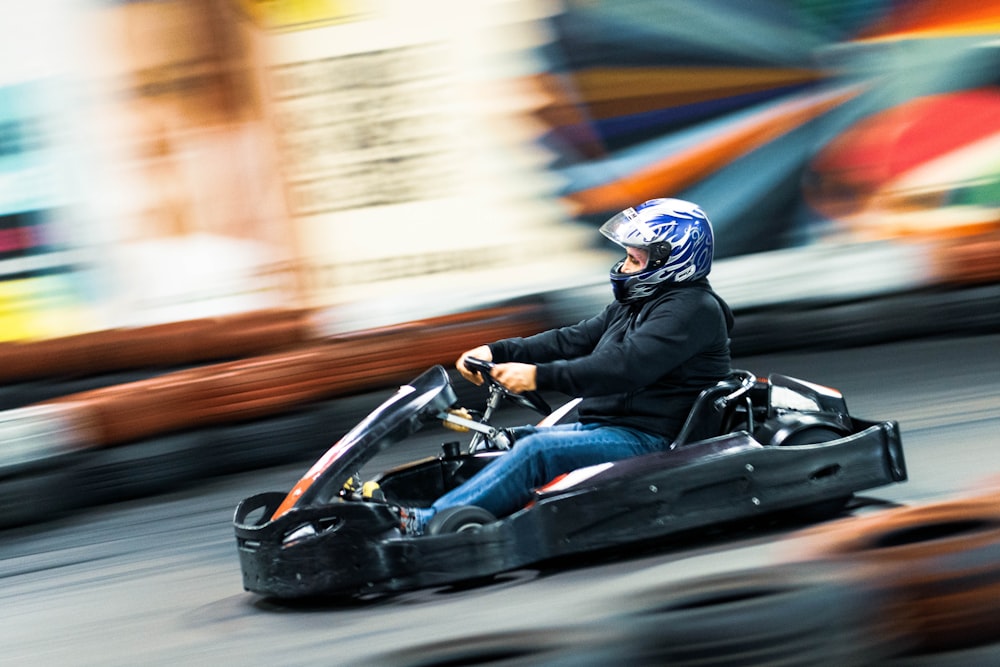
x=678 y=236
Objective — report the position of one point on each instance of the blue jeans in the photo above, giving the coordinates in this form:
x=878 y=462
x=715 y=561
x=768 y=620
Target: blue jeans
x=507 y=483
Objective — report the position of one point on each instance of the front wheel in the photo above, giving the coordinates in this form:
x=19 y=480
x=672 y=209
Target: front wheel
x=459 y=520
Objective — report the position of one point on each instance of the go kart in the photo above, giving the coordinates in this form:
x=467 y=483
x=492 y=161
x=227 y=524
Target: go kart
x=749 y=447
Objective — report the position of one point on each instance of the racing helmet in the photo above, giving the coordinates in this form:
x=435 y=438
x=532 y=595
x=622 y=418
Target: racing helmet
x=678 y=237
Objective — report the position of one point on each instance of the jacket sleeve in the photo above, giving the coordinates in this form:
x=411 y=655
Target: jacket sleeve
x=567 y=342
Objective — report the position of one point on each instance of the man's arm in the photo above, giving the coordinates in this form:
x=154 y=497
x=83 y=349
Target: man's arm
x=567 y=342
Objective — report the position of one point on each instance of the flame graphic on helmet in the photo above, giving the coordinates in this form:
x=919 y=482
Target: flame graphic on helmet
x=676 y=224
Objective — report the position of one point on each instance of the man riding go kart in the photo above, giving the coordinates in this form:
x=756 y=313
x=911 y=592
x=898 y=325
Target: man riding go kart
x=638 y=365
x=659 y=406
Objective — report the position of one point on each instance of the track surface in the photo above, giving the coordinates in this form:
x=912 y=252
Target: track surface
x=157 y=581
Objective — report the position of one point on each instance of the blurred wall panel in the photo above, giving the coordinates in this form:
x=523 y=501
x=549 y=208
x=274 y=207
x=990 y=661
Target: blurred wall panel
x=415 y=178
x=46 y=273
x=190 y=183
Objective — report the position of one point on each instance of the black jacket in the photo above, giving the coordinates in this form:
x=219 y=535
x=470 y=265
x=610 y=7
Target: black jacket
x=639 y=365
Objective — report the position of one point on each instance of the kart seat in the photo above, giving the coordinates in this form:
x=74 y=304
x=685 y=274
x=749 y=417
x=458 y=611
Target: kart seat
x=713 y=409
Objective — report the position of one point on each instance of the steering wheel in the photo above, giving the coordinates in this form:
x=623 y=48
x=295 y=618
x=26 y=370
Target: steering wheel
x=528 y=399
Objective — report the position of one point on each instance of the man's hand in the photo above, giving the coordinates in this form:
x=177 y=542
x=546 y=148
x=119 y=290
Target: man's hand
x=481 y=352
x=516 y=377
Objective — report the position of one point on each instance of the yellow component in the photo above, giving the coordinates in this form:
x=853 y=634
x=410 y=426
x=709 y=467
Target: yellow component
x=352 y=483
x=460 y=412
x=38 y=308
x=282 y=15
x=368 y=489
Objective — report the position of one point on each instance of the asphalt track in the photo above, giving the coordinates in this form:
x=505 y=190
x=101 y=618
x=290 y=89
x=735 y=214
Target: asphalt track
x=156 y=581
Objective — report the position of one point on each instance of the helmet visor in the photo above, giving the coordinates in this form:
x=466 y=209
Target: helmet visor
x=629 y=229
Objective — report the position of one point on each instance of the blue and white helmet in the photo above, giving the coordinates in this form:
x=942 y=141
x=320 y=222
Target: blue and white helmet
x=678 y=236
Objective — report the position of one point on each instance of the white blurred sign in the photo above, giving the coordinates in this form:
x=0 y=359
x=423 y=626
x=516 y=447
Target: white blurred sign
x=414 y=179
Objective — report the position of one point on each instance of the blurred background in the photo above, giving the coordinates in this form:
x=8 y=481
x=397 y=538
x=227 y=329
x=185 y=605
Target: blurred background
x=206 y=206
x=165 y=160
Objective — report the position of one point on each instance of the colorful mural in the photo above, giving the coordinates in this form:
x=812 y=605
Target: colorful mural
x=792 y=122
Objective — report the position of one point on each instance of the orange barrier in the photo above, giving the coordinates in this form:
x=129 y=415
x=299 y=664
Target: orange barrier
x=939 y=564
x=974 y=259
x=269 y=384
x=164 y=345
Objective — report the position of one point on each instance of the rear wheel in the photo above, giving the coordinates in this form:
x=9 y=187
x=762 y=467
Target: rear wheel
x=459 y=519
x=812 y=435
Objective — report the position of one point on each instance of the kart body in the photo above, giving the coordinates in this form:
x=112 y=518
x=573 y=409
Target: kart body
x=749 y=447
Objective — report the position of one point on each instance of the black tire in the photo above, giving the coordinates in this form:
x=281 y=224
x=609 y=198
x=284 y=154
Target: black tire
x=459 y=519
